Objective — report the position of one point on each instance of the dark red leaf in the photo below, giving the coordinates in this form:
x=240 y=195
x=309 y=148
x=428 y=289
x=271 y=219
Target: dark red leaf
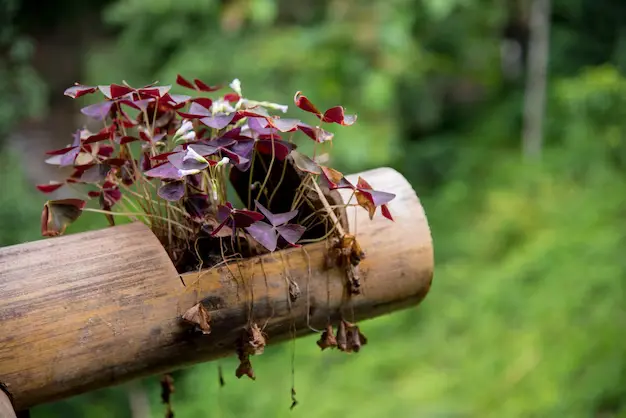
x=60 y=151
x=115 y=91
x=335 y=179
x=104 y=150
x=205 y=87
x=117 y=162
x=126 y=140
x=243 y=217
x=145 y=162
x=316 y=133
x=154 y=91
x=49 y=188
x=104 y=134
x=203 y=101
x=336 y=115
x=257 y=112
x=93 y=193
x=79 y=90
x=384 y=209
x=111 y=194
x=174 y=101
x=281 y=149
x=232 y=97
x=183 y=82
x=305 y=104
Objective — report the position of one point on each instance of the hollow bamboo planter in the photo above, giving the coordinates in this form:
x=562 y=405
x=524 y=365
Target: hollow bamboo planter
x=94 y=309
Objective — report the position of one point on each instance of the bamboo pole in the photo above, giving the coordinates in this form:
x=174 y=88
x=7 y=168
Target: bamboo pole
x=89 y=310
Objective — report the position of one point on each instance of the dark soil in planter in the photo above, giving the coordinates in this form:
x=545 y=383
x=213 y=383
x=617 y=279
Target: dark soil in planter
x=283 y=188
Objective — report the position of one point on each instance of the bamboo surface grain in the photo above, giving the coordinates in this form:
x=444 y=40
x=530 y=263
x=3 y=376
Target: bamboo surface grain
x=94 y=309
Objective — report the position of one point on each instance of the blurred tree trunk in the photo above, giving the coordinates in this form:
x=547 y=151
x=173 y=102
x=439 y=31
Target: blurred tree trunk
x=536 y=79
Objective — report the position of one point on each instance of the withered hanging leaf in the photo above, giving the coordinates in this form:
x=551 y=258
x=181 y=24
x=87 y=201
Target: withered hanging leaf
x=342 y=338
x=354 y=279
x=58 y=214
x=167 y=388
x=294 y=401
x=327 y=339
x=355 y=338
x=357 y=254
x=254 y=343
x=220 y=375
x=294 y=291
x=199 y=316
x=245 y=368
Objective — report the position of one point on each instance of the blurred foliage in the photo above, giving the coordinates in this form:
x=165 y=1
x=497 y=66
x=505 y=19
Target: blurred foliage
x=527 y=305
x=23 y=92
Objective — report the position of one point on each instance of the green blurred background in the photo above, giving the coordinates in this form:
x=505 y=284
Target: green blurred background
x=528 y=305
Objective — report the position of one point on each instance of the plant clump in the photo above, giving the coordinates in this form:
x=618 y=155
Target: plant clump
x=166 y=159
x=169 y=160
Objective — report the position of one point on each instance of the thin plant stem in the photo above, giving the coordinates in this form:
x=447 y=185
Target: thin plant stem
x=147 y=215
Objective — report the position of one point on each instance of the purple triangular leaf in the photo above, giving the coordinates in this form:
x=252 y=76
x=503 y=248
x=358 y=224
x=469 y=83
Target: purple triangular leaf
x=196 y=111
x=218 y=121
x=188 y=160
x=291 y=232
x=380 y=198
x=284 y=125
x=264 y=234
x=69 y=157
x=98 y=111
x=276 y=219
x=172 y=191
x=164 y=171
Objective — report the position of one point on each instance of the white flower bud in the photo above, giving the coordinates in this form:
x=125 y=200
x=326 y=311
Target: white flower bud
x=236 y=86
x=189 y=136
x=186 y=126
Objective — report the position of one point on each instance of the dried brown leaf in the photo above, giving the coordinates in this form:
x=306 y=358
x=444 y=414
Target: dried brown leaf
x=167 y=388
x=355 y=338
x=327 y=339
x=245 y=368
x=199 y=316
x=342 y=338
x=255 y=343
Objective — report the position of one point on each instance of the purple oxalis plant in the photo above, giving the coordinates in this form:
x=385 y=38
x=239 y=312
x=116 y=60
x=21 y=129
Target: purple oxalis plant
x=164 y=158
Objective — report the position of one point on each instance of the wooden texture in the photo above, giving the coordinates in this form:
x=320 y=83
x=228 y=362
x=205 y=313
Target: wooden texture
x=90 y=310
